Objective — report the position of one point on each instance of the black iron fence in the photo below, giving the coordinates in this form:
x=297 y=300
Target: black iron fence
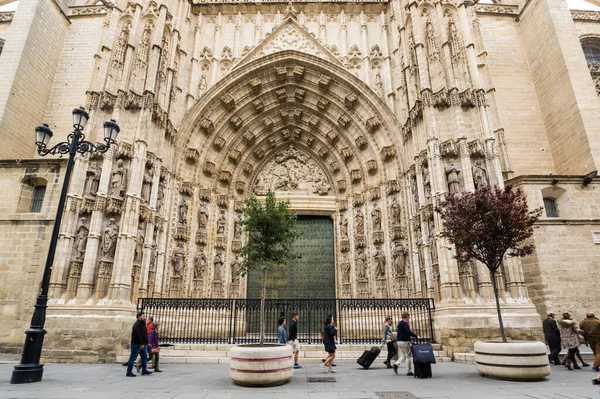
x=236 y=321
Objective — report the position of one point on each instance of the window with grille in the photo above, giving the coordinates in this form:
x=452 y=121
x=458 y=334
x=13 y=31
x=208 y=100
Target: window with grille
x=550 y=205
x=591 y=50
x=38 y=198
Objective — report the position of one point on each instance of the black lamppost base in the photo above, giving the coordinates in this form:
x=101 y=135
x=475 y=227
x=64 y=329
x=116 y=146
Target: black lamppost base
x=26 y=373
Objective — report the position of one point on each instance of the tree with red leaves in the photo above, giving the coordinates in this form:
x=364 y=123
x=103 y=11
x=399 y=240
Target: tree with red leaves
x=488 y=224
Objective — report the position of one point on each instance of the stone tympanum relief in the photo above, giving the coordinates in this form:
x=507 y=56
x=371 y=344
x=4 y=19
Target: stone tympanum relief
x=292 y=170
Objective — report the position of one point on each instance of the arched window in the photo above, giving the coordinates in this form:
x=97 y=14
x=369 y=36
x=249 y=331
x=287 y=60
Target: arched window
x=38 y=198
x=550 y=206
x=591 y=50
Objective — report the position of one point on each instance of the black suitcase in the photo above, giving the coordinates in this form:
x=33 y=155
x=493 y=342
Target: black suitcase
x=422 y=370
x=368 y=357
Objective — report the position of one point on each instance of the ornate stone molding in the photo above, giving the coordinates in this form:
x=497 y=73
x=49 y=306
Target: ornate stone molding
x=79 y=11
x=6 y=16
x=192 y=154
x=497 y=9
x=585 y=15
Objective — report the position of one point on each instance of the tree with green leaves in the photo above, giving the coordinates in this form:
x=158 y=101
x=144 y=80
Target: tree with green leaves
x=271 y=227
x=487 y=225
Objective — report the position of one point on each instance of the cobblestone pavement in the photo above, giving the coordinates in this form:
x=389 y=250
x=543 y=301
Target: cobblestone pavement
x=180 y=381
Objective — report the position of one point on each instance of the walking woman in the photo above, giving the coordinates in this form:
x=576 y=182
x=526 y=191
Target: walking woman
x=388 y=339
x=329 y=334
x=569 y=339
x=153 y=347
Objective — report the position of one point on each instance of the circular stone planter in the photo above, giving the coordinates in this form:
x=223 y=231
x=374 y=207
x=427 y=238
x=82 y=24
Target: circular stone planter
x=519 y=360
x=261 y=366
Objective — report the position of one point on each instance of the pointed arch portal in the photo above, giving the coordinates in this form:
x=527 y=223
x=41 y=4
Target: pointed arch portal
x=305 y=127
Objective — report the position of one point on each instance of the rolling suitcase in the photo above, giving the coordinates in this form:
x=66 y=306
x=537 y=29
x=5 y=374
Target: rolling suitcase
x=422 y=370
x=368 y=357
x=423 y=357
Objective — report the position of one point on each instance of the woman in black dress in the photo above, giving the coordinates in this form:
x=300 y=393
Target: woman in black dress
x=329 y=341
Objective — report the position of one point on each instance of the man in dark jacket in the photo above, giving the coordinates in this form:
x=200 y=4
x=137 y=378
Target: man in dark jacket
x=403 y=339
x=293 y=339
x=552 y=336
x=139 y=340
x=591 y=328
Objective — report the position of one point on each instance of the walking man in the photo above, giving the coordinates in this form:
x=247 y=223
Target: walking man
x=591 y=328
x=293 y=339
x=552 y=336
x=403 y=339
x=139 y=340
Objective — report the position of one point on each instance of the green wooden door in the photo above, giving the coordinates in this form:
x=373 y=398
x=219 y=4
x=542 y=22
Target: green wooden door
x=310 y=276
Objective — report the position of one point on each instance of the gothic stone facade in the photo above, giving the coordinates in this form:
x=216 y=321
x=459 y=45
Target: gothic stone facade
x=365 y=111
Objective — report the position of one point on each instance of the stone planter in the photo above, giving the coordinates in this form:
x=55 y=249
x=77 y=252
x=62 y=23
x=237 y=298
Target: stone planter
x=261 y=366
x=519 y=360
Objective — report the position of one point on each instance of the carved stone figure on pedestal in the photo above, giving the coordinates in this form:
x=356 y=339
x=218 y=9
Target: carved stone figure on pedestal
x=237 y=228
x=359 y=227
x=344 y=228
x=379 y=258
x=379 y=85
x=361 y=264
x=396 y=212
x=109 y=239
x=81 y=239
x=147 y=184
x=235 y=270
x=452 y=178
x=118 y=180
x=202 y=217
x=221 y=224
x=345 y=271
x=139 y=247
x=415 y=191
x=480 y=176
x=376 y=217
x=199 y=265
x=160 y=196
x=427 y=183
x=92 y=178
x=399 y=256
x=183 y=212
x=218 y=266
x=202 y=85
x=177 y=259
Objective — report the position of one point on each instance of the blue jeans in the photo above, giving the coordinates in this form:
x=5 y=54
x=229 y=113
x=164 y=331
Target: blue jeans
x=135 y=351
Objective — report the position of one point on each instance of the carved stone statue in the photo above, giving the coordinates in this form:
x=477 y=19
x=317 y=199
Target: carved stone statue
x=480 y=176
x=109 y=239
x=399 y=255
x=414 y=189
x=118 y=180
x=396 y=212
x=147 y=184
x=376 y=218
x=359 y=227
x=183 y=212
x=160 y=196
x=452 y=178
x=200 y=262
x=345 y=271
x=218 y=266
x=379 y=85
x=139 y=247
x=237 y=228
x=361 y=264
x=202 y=217
x=344 y=228
x=379 y=257
x=431 y=228
x=427 y=183
x=93 y=178
x=178 y=259
x=221 y=224
x=81 y=239
x=235 y=270
x=202 y=85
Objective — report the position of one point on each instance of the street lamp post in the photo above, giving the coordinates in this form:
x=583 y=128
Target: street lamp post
x=30 y=369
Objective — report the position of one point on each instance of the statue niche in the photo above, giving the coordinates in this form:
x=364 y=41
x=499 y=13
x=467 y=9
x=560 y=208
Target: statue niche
x=292 y=170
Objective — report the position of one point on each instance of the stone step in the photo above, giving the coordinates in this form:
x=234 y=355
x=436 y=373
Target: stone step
x=469 y=358
x=310 y=354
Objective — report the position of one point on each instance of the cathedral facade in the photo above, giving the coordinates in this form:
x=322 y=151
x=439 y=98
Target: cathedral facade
x=367 y=112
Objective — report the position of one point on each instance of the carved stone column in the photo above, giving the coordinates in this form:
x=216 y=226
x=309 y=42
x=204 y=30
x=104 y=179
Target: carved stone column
x=364 y=47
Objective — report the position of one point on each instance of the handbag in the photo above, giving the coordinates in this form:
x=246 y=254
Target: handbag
x=155 y=350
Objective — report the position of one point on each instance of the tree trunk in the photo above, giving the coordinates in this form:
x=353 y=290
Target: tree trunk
x=495 y=286
x=263 y=297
